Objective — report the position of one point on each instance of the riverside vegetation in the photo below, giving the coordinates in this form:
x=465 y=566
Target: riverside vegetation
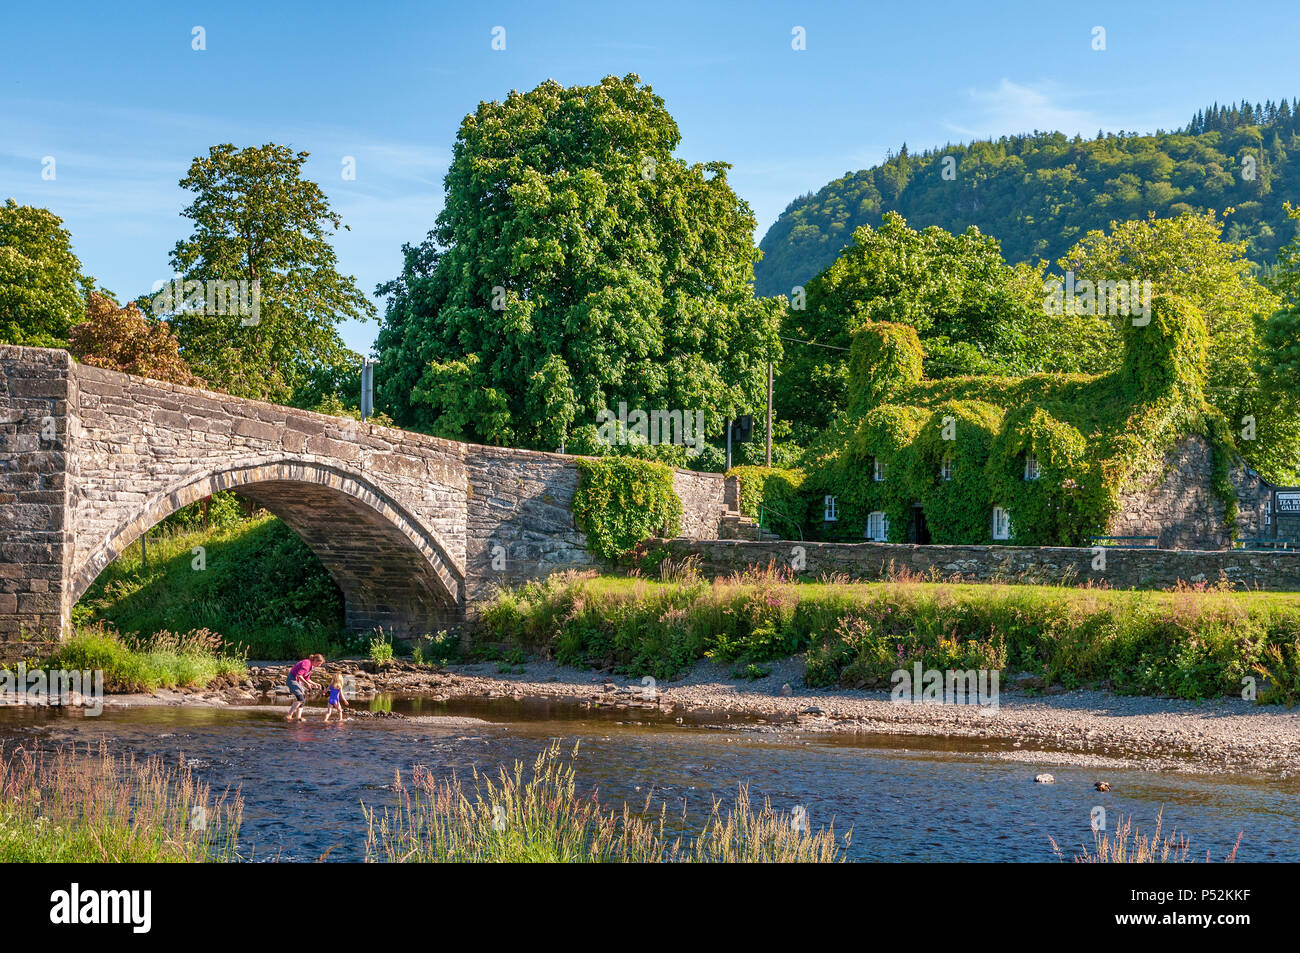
x=259 y=586
x=85 y=805
x=62 y=805
x=1128 y=845
x=67 y=805
x=1194 y=642
x=539 y=817
x=147 y=663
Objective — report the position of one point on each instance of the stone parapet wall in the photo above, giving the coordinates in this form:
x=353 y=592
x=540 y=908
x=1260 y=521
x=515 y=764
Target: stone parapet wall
x=382 y=508
x=519 y=518
x=412 y=528
x=1124 y=568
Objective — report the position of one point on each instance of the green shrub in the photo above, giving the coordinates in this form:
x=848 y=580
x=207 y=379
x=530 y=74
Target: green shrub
x=381 y=648
x=773 y=494
x=163 y=660
x=1279 y=663
x=622 y=500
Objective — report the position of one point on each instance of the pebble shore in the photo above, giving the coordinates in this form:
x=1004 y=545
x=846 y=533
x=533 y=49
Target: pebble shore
x=1079 y=727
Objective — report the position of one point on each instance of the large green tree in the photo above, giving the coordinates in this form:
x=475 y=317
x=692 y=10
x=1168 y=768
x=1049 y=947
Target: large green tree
x=257 y=219
x=576 y=264
x=1280 y=363
x=973 y=312
x=42 y=290
x=1187 y=256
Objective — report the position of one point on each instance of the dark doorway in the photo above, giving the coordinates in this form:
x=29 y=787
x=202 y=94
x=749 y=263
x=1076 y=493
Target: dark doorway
x=917 y=530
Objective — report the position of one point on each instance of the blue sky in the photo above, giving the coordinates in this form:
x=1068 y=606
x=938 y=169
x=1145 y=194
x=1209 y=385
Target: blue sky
x=116 y=94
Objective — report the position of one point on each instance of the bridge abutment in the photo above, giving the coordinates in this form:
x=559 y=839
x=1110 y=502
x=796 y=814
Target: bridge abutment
x=37 y=392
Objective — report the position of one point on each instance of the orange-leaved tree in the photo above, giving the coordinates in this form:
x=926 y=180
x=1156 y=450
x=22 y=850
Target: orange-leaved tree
x=124 y=339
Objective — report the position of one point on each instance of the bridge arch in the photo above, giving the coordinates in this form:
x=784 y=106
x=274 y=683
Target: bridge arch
x=392 y=570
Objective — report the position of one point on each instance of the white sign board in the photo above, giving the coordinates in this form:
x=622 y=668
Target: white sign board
x=1288 y=502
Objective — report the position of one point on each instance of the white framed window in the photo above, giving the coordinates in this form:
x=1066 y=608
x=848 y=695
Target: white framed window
x=945 y=467
x=1031 y=467
x=877 y=527
x=832 y=510
x=1001 y=523
x=878 y=470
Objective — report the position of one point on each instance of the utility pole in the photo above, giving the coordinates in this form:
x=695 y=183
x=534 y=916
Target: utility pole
x=728 y=467
x=769 y=413
x=367 y=387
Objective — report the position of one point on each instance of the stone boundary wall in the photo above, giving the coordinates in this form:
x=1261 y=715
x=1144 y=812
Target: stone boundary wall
x=1125 y=568
x=703 y=497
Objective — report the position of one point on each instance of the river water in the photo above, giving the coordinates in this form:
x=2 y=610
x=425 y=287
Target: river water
x=905 y=798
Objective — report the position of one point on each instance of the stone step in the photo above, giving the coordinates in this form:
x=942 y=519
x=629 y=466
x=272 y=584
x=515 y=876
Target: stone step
x=735 y=526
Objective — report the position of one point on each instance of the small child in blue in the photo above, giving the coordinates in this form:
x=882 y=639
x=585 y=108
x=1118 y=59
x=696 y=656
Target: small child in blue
x=336 y=699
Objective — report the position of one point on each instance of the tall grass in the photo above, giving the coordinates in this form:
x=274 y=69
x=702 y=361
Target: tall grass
x=381 y=648
x=65 y=806
x=1128 y=845
x=540 y=817
x=1194 y=642
x=146 y=664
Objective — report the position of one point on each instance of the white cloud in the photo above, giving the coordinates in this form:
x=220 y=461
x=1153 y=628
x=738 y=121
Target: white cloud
x=1011 y=108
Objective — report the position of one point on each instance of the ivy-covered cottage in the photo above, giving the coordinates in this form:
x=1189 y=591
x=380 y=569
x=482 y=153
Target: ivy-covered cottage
x=1050 y=459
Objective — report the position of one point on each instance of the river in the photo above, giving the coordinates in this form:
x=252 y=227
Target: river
x=905 y=798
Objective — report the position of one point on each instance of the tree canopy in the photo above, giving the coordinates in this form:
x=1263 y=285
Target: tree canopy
x=1280 y=365
x=124 y=339
x=973 y=313
x=42 y=289
x=1040 y=193
x=1187 y=256
x=577 y=263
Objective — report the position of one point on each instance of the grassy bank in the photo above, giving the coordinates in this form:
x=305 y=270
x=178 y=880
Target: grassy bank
x=254 y=582
x=65 y=806
x=148 y=663
x=1190 y=643
x=539 y=817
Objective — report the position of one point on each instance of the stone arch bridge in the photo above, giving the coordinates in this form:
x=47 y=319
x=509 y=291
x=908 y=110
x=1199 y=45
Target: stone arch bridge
x=406 y=524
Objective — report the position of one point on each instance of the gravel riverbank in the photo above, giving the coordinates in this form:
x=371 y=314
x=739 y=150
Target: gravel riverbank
x=1081 y=727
